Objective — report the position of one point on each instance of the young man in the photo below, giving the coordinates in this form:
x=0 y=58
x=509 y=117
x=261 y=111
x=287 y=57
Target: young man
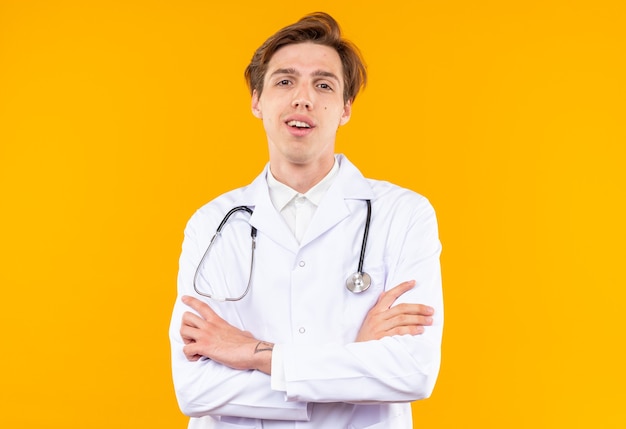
x=267 y=332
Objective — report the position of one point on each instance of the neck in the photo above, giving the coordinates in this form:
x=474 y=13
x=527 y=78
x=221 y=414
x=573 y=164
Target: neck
x=301 y=177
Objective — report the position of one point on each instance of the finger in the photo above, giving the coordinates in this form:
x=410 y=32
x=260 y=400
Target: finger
x=189 y=334
x=392 y=319
x=419 y=309
x=400 y=330
x=407 y=330
x=190 y=353
x=403 y=322
x=201 y=307
x=426 y=310
x=192 y=319
x=409 y=320
x=390 y=296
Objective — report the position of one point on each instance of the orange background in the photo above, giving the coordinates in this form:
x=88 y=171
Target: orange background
x=119 y=118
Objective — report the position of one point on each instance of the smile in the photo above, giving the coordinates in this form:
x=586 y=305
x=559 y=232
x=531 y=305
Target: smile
x=298 y=124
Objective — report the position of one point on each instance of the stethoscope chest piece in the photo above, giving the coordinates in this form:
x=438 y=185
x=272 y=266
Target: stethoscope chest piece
x=358 y=282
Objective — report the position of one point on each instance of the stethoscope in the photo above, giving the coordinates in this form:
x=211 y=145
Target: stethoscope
x=356 y=283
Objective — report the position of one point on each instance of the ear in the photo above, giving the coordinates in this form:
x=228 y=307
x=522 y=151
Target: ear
x=347 y=112
x=256 y=105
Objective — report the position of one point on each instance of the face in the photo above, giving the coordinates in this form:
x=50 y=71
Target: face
x=302 y=105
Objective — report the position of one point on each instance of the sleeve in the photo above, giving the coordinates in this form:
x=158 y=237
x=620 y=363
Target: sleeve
x=278 y=369
x=206 y=387
x=393 y=369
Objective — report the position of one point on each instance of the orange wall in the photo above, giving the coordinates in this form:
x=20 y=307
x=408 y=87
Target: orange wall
x=119 y=118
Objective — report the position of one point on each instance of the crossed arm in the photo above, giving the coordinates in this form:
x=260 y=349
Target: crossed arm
x=207 y=335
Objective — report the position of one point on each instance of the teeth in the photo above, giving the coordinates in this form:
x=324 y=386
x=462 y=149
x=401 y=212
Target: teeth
x=298 y=124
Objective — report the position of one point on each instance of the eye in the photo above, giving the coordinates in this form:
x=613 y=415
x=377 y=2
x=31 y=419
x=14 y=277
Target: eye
x=325 y=86
x=283 y=82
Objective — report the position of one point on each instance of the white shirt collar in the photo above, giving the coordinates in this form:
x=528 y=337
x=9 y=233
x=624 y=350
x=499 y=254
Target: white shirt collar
x=281 y=194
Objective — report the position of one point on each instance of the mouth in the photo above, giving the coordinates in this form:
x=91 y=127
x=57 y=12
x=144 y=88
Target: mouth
x=299 y=124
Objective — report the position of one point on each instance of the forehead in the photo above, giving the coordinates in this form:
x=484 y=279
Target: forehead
x=306 y=58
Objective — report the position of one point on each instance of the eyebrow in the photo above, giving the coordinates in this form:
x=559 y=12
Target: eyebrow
x=318 y=73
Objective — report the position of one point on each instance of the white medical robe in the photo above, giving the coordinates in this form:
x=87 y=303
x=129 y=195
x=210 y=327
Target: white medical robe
x=298 y=300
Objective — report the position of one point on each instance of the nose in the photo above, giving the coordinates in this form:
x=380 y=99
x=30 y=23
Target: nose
x=300 y=102
x=302 y=98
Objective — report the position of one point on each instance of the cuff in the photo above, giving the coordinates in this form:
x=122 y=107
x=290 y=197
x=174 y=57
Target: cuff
x=278 y=379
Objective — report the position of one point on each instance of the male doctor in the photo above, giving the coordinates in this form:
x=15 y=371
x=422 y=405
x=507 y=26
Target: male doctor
x=271 y=328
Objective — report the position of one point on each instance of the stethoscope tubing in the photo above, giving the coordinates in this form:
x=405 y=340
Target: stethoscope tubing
x=359 y=276
x=253 y=233
x=366 y=232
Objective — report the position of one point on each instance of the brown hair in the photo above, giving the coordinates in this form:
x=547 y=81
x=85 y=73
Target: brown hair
x=320 y=28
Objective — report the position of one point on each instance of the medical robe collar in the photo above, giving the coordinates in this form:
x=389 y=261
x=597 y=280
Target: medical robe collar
x=348 y=185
